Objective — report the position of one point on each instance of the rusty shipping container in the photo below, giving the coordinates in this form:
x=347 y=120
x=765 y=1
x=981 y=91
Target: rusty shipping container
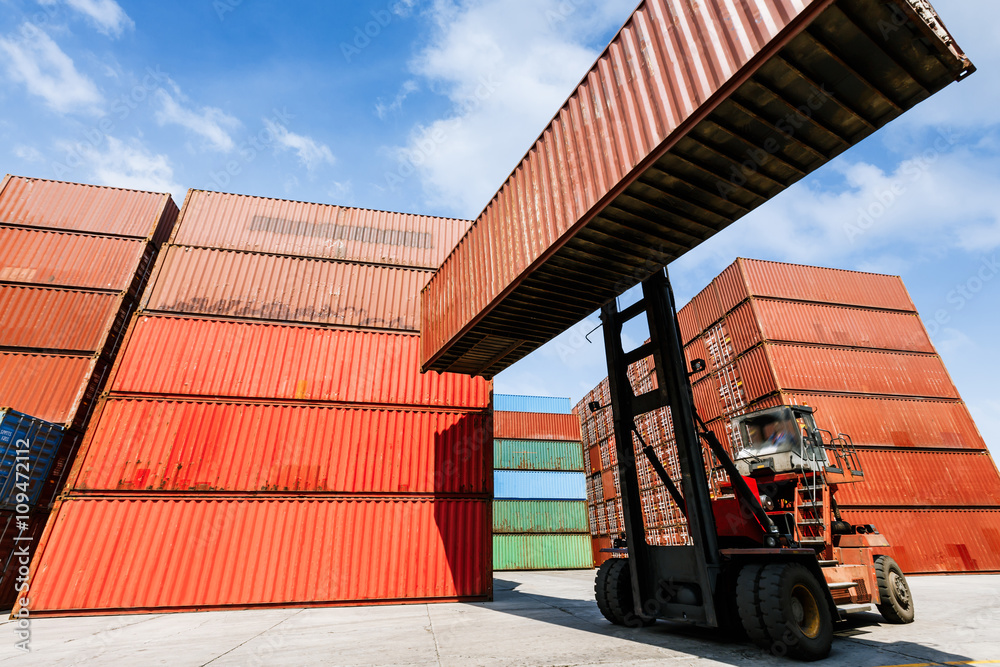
x=55 y=388
x=679 y=129
x=261 y=225
x=42 y=318
x=114 y=556
x=536 y=426
x=157 y=446
x=229 y=284
x=241 y=360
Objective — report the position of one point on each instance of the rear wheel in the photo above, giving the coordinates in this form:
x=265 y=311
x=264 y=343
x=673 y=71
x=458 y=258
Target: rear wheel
x=895 y=599
x=794 y=612
x=613 y=590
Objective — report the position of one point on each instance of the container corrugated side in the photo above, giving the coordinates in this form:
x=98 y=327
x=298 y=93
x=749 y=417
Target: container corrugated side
x=515 y=403
x=49 y=387
x=63 y=259
x=539 y=516
x=37 y=202
x=114 y=556
x=28 y=449
x=533 y=485
x=55 y=319
x=929 y=541
x=152 y=446
x=707 y=307
x=542 y=552
x=270 y=361
x=538 y=455
x=535 y=426
x=257 y=224
x=923 y=478
x=223 y=283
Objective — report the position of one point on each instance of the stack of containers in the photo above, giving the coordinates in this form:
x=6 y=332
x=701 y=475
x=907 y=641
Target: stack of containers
x=268 y=438
x=852 y=346
x=75 y=261
x=540 y=511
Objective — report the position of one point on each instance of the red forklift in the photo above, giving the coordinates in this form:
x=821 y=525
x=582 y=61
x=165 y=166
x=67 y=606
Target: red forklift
x=768 y=553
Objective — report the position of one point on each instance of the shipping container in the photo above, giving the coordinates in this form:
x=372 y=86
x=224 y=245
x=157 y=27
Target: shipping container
x=36 y=202
x=542 y=552
x=147 y=445
x=929 y=541
x=221 y=283
x=261 y=225
x=55 y=388
x=539 y=516
x=63 y=320
x=115 y=556
x=533 y=485
x=222 y=359
x=536 y=426
x=28 y=449
x=18 y=533
x=513 y=403
x=915 y=477
x=538 y=455
x=777 y=280
x=647 y=159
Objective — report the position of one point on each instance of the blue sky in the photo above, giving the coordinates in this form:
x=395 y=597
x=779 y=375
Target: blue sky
x=426 y=106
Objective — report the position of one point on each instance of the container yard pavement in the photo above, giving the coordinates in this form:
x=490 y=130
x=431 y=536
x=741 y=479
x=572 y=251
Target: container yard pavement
x=537 y=618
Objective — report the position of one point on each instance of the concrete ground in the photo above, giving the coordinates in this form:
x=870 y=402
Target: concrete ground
x=538 y=618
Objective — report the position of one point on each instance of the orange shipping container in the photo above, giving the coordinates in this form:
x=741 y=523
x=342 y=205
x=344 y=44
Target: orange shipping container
x=260 y=225
x=55 y=388
x=233 y=553
x=222 y=283
x=536 y=426
x=195 y=357
x=158 y=445
x=55 y=319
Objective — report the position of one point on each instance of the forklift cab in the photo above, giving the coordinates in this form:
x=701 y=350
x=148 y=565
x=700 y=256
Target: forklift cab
x=777 y=440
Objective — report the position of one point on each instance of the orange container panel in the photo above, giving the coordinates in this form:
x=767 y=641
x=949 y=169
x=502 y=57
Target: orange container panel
x=707 y=307
x=195 y=357
x=706 y=398
x=536 y=426
x=223 y=283
x=879 y=421
x=929 y=541
x=64 y=259
x=755 y=374
x=55 y=319
x=257 y=224
x=133 y=556
x=157 y=445
x=53 y=388
x=754 y=277
x=687 y=322
x=926 y=478
x=35 y=202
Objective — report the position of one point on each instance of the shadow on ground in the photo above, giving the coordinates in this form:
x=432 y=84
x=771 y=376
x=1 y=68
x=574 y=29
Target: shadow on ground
x=850 y=645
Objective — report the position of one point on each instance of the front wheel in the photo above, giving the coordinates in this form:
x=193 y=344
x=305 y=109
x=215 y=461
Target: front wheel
x=613 y=590
x=895 y=600
x=794 y=612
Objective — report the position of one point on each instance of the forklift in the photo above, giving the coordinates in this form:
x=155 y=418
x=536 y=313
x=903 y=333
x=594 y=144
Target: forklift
x=768 y=554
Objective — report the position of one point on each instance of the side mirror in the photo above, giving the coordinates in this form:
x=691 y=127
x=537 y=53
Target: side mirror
x=698 y=365
x=594 y=406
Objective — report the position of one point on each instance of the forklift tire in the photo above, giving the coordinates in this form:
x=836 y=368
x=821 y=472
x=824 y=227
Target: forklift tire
x=795 y=612
x=613 y=590
x=895 y=599
x=748 y=605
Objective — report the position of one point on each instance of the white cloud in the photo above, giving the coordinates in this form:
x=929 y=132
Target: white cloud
x=212 y=124
x=382 y=109
x=311 y=153
x=32 y=58
x=127 y=165
x=106 y=15
x=506 y=66
x=28 y=154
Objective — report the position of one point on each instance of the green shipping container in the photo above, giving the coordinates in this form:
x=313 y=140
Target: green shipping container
x=542 y=552
x=540 y=516
x=537 y=455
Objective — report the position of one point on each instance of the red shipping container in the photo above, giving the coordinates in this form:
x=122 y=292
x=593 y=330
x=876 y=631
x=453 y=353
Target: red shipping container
x=707 y=307
x=927 y=541
x=277 y=552
x=158 y=445
x=221 y=359
x=245 y=285
x=911 y=477
x=55 y=388
x=36 y=202
x=536 y=426
x=706 y=398
x=55 y=319
x=261 y=225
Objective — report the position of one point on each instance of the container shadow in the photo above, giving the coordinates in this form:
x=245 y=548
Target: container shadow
x=849 y=645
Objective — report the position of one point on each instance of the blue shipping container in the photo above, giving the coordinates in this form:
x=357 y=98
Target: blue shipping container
x=532 y=485
x=513 y=403
x=28 y=448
